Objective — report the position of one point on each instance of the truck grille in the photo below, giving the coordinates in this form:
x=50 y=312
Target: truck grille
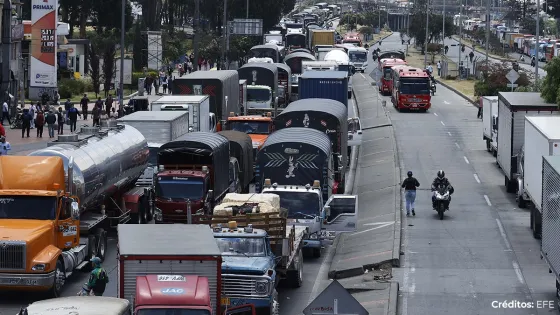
x=12 y=255
x=240 y=286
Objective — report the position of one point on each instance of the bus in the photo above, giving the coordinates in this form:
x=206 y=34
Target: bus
x=411 y=89
x=386 y=66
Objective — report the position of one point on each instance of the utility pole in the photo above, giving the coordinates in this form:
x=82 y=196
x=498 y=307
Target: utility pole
x=537 y=45
x=247 y=15
x=196 y=33
x=443 y=26
x=460 y=32
x=427 y=32
x=486 y=44
x=224 y=36
x=121 y=73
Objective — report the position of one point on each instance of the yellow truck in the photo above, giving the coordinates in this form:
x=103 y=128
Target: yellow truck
x=57 y=203
x=321 y=38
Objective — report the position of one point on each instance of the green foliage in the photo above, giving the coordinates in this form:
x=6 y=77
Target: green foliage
x=95 y=71
x=67 y=88
x=175 y=44
x=529 y=24
x=140 y=74
x=366 y=30
x=137 y=48
x=495 y=46
x=105 y=14
x=550 y=88
x=435 y=30
x=494 y=79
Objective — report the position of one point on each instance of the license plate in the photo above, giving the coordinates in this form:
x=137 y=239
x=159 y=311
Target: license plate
x=414 y=105
x=332 y=234
x=225 y=301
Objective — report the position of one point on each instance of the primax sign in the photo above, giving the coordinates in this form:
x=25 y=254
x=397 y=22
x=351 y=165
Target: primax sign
x=42 y=7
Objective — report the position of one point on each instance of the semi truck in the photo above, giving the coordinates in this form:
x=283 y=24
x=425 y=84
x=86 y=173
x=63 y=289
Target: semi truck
x=241 y=158
x=542 y=138
x=221 y=86
x=550 y=251
x=244 y=230
x=490 y=122
x=188 y=182
x=68 y=206
x=294 y=61
x=257 y=127
x=297 y=164
x=308 y=66
x=262 y=86
x=197 y=106
x=327 y=116
x=512 y=109
x=324 y=84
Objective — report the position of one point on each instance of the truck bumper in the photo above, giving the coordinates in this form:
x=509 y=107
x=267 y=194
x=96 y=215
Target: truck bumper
x=237 y=301
x=26 y=280
x=311 y=243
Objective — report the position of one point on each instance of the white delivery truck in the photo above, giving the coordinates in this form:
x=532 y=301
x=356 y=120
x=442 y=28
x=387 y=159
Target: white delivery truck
x=318 y=66
x=490 y=122
x=198 y=107
x=550 y=248
x=542 y=138
x=512 y=109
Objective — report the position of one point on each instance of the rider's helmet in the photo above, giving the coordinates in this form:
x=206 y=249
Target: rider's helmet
x=409 y=174
x=440 y=174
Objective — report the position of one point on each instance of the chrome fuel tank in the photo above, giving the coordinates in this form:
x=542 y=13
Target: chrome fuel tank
x=106 y=160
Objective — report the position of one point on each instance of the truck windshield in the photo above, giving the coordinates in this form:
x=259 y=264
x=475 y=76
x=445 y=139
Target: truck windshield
x=28 y=207
x=253 y=127
x=258 y=95
x=152 y=160
x=358 y=56
x=387 y=73
x=299 y=204
x=180 y=188
x=171 y=311
x=241 y=246
x=415 y=86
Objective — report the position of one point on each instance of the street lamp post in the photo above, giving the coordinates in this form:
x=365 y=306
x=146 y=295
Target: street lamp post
x=247 y=15
x=427 y=32
x=121 y=72
x=224 y=34
x=538 y=32
x=460 y=32
x=443 y=26
x=487 y=46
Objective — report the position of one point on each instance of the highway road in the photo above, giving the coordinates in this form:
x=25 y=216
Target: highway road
x=483 y=250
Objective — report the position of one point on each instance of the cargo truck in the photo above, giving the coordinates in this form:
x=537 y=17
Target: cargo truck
x=324 y=84
x=197 y=106
x=241 y=156
x=542 y=138
x=490 y=122
x=262 y=86
x=68 y=208
x=192 y=176
x=358 y=58
x=266 y=51
x=308 y=66
x=221 y=86
x=327 y=116
x=343 y=62
x=320 y=37
x=257 y=127
x=284 y=84
x=244 y=230
x=296 y=164
x=512 y=109
x=83 y=305
x=294 y=61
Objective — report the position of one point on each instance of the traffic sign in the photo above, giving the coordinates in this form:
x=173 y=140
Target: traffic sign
x=512 y=85
x=512 y=76
x=335 y=299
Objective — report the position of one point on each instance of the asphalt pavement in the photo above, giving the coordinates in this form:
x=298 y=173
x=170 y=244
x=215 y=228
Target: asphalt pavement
x=483 y=250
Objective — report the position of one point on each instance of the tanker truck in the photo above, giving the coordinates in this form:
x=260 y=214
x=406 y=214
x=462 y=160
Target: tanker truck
x=57 y=203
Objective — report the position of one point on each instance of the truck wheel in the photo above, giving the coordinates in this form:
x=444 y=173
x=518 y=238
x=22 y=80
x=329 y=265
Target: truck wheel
x=508 y=185
x=316 y=252
x=295 y=277
x=59 y=279
x=521 y=203
x=488 y=146
x=101 y=243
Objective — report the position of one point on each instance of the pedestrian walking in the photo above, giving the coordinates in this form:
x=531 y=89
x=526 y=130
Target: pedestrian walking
x=156 y=85
x=39 y=123
x=109 y=103
x=96 y=114
x=60 y=120
x=51 y=122
x=84 y=103
x=32 y=112
x=438 y=68
x=410 y=184
x=479 y=113
x=73 y=114
x=4 y=146
x=471 y=55
x=98 y=279
x=148 y=84
x=164 y=84
x=26 y=119
x=6 y=113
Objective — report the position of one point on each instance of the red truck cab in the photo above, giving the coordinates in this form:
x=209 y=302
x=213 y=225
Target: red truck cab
x=156 y=295
x=386 y=75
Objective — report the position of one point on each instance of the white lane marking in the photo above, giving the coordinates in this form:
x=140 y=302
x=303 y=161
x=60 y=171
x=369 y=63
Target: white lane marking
x=446 y=102
x=503 y=234
x=518 y=272
x=442 y=123
x=457 y=145
x=476 y=178
x=379 y=226
x=362 y=75
x=487 y=201
x=412 y=287
x=466 y=160
x=449 y=133
x=435 y=114
x=321 y=275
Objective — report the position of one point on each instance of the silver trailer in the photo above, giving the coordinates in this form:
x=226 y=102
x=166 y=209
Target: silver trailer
x=550 y=248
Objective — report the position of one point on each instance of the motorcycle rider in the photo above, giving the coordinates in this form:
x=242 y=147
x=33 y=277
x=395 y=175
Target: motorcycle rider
x=533 y=60
x=441 y=180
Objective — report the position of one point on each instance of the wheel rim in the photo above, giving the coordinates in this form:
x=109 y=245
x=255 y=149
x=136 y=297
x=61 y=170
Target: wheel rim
x=60 y=278
x=102 y=246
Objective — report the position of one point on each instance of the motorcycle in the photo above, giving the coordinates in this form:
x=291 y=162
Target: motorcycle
x=433 y=87
x=443 y=197
x=18 y=120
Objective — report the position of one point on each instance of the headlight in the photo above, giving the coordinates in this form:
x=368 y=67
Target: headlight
x=313 y=236
x=261 y=287
x=39 y=267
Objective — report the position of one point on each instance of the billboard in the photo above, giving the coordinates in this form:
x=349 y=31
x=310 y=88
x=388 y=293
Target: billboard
x=43 y=43
x=127 y=76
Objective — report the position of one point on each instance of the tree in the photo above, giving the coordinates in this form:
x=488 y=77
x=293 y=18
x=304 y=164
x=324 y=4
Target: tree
x=138 y=47
x=107 y=16
x=95 y=75
x=109 y=64
x=435 y=30
x=550 y=85
x=494 y=79
x=529 y=25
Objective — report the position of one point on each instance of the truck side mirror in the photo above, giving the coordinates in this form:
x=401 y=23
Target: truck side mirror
x=210 y=194
x=75 y=210
x=327 y=211
x=353 y=70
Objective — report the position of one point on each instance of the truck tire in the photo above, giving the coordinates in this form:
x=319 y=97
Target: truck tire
x=488 y=145
x=316 y=252
x=59 y=279
x=510 y=187
x=295 y=277
x=521 y=203
x=101 y=243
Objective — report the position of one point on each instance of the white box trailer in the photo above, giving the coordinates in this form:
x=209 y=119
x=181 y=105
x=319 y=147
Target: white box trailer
x=512 y=109
x=198 y=107
x=490 y=122
x=542 y=138
x=550 y=247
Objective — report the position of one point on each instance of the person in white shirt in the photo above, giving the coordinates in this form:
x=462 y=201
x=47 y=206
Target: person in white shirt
x=6 y=113
x=114 y=113
x=4 y=146
x=32 y=112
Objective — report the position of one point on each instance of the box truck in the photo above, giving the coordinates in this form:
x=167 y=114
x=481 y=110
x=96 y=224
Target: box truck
x=197 y=106
x=324 y=84
x=542 y=138
x=512 y=109
x=490 y=122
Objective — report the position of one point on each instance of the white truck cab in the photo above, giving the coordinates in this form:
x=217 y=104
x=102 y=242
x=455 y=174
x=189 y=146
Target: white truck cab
x=259 y=97
x=358 y=58
x=260 y=60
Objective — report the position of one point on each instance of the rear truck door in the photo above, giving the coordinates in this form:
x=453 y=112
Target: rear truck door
x=341 y=215
x=354 y=132
x=247 y=309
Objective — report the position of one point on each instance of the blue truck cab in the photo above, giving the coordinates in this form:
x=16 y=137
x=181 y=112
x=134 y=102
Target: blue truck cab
x=248 y=268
